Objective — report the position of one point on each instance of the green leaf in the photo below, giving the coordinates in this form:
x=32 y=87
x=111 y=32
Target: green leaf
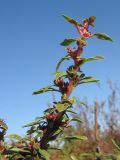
x=44 y=154
x=75 y=138
x=61 y=107
x=52 y=148
x=38 y=118
x=75 y=120
x=58 y=132
x=103 y=36
x=82 y=41
x=26 y=139
x=92 y=19
x=39 y=134
x=18 y=156
x=86 y=154
x=67 y=41
x=46 y=89
x=88 y=80
x=71 y=111
x=70 y=20
x=32 y=124
x=79 y=102
x=115 y=144
x=84 y=60
x=19 y=150
x=61 y=60
x=94 y=58
x=15 y=136
x=73 y=157
x=49 y=110
x=59 y=75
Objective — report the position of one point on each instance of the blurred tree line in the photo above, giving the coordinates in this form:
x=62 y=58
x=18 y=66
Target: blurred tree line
x=100 y=123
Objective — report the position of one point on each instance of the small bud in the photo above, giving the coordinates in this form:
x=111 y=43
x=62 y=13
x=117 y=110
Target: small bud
x=59 y=82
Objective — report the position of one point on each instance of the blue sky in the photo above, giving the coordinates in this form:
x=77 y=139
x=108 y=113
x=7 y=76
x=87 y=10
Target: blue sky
x=30 y=34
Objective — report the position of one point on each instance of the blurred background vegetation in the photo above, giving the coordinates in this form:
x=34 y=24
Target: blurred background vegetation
x=100 y=123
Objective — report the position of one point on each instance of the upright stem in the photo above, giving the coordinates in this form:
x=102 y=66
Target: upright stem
x=70 y=86
x=96 y=122
x=97 y=149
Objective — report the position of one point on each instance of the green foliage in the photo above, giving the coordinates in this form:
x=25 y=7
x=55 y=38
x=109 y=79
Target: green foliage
x=61 y=107
x=75 y=138
x=82 y=41
x=67 y=41
x=73 y=157
x=59 y=75
x=103 y=36
x=44 y=154
x=60 y=61
x=19 y=150
x=15 y=137
x=70 y=20
x=92 y=19
x=88 y=80
x=33 y=123
x=45 y=89
x=116 y=146
x=84 y=60
x=71 y=111
x=76 y=120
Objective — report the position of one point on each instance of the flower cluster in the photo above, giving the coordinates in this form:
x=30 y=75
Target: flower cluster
x=61 y=84
x=53 y=115
x=83 y=29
